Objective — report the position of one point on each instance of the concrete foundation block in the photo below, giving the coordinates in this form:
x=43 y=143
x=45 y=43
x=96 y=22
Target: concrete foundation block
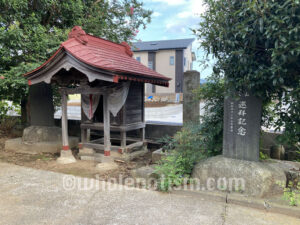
x=86 y=151
x=66 y=157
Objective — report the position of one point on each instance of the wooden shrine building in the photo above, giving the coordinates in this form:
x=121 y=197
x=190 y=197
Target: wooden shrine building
x=110 y=82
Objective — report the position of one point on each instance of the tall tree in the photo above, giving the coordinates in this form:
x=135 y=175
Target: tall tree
x=31 y=30
x=257 y=47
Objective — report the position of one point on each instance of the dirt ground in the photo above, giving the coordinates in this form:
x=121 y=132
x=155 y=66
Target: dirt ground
x=80 y=168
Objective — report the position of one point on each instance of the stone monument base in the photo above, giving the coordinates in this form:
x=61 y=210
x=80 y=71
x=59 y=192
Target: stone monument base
x=34 y=134
x=39 y=139
x=258 y=179
x=18 y=145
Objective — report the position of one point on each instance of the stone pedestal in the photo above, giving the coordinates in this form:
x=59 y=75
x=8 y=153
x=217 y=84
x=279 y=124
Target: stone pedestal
x=66 y=157
x=191 y=108
x=39 y=139
x=260 y=179
x=34 y=134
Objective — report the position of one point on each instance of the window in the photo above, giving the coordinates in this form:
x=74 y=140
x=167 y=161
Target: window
x=184 y=61
x=150 y=65
x=172 y=60
x=138 y=58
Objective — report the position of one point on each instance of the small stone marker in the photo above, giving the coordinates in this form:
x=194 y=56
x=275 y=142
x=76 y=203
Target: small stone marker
x=242 y=121
x=191 y=108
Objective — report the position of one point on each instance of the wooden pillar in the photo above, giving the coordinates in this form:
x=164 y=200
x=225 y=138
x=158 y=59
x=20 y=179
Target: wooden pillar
x=64 y=121
x=123 y=141
x=142 y=131
x=83 y=135
x=106 y=121
x=88 y=135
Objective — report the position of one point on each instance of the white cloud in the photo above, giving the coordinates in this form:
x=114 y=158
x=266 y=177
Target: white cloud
x=184 y=14
x=194 y=9
x=171 y=2
x=189 y=17
x=156 y=14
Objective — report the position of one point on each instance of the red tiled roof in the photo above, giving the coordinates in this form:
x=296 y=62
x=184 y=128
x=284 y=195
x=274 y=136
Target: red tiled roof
x=103 y=54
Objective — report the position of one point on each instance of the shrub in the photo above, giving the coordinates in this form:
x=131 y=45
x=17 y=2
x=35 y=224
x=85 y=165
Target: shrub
x=184 y=151
x=194 y=142
x=292 y=194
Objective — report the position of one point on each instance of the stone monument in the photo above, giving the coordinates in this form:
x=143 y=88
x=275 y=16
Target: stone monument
x=191 y=108
x=242 y=121
x=41 y=105
x=41 y=136
x=240 y=160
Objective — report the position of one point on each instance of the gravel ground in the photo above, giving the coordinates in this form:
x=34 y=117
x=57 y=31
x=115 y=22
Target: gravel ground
x=31 y=196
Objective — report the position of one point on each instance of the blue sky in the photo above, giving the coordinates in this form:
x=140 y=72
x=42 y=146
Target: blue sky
x=173 y=19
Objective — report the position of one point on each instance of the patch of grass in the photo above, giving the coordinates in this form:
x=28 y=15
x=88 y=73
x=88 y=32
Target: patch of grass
x=41 y=157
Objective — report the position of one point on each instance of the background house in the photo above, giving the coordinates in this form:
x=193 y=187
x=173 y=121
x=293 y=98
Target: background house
x=168 y=57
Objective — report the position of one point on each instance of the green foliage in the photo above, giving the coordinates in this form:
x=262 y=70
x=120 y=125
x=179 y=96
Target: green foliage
x=7 y=122
x=292 y=194
x=194 y=142
x=30 y=31
x=298 y=153
x=4 y=108
x=212 y=94
x=256 y=45
x=263 y=156
x=182 y=154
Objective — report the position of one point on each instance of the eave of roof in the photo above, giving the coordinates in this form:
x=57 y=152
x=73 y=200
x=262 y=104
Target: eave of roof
x=105 y=55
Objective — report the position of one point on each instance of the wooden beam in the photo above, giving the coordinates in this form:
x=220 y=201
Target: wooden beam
x=86 y=90
x=132 y=147
x=100 y=146
x=106 y=120
x=64 y=122
x=100 y=126
x=98 y=141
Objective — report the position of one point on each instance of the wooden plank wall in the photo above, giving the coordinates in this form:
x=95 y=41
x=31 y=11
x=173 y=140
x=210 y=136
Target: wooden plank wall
x=134 y=103
x=133 y=110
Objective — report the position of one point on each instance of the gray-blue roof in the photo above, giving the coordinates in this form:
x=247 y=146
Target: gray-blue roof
x=160 y=45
